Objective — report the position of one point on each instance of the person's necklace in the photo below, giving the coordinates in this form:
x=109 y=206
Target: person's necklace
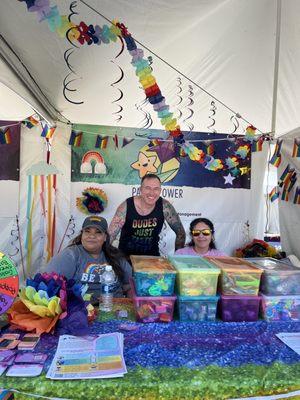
x=142 y=209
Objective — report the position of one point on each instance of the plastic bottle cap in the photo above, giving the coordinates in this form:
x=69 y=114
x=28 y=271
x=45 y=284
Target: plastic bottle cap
x=108 y=268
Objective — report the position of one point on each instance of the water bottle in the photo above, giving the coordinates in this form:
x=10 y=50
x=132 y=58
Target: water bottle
x=108 y=280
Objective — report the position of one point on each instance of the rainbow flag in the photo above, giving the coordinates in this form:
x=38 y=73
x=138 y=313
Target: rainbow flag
x=274 y=194
x=257 y=145
x=47 y=132
x=286 y=176
x=5 y=137
x=297 y=195
x=276 y=158
x=75 y=139
x=116 y=141
x=296 y=148
x=126 y=141
x=285 y=195
x=30 y=122
x=101 y=142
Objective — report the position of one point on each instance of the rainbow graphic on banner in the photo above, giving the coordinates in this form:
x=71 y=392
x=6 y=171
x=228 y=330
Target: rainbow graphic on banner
x=274 y=194
x=276 y=158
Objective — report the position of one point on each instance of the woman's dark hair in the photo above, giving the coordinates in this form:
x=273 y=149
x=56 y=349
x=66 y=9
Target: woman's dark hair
x=112 y=254
x=211 y=227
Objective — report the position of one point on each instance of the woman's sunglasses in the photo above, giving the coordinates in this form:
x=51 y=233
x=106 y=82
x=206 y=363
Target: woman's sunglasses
x=205 y=232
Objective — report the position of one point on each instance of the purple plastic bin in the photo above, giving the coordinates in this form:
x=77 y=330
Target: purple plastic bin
x=239 y=308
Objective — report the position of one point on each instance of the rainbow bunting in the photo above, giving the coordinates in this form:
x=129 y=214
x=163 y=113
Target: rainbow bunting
x=297 y=195
x=274 y=194
x=75 y=139
x=155 y=142
x=30 y=122
x=285 y=195
x=47 y=132
x=101 y=142
x=257 y=145
x=250 y=133
x=116 y=141
x=5 y=137
x=296 y=148
x=286 y=176
x=276 y=158
x=126 y=141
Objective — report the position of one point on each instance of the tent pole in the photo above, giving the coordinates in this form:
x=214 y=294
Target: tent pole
x=276 y=66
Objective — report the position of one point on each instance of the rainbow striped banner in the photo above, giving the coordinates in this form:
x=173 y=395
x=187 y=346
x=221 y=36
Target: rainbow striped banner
x=101 y=142
x=75 y=139
x=296 y=148
x=276 y=158
x=257 y=145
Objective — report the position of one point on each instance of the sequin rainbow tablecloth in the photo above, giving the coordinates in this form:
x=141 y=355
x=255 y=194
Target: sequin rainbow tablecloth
x=183 y=361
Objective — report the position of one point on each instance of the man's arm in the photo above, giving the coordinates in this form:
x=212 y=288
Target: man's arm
x=117 y=222
x=173 y=220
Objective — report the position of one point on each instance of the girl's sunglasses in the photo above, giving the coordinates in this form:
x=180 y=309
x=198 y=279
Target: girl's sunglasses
x=205 y=232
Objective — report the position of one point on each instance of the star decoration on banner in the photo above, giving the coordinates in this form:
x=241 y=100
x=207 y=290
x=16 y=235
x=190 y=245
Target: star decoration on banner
x=244 y=170
x=229 y=179
x=145 y=164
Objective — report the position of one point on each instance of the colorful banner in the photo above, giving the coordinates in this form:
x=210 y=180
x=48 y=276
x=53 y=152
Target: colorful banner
x=228 y=167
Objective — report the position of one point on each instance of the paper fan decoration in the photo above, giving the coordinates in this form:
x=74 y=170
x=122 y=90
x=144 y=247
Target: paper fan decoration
x=9 y=283
x=94 y=201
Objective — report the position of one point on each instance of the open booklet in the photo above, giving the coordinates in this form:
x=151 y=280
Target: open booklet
x=88 y=357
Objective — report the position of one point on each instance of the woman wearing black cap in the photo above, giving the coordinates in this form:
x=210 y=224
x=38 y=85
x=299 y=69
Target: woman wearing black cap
x=86 y=257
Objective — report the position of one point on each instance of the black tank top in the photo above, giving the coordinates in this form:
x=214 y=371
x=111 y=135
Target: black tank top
x=140 y=233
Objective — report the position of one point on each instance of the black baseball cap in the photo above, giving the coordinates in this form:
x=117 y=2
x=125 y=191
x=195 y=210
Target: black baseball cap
x=95 y=221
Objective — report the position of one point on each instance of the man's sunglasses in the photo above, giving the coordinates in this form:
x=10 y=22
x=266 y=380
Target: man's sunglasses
x=205 y=232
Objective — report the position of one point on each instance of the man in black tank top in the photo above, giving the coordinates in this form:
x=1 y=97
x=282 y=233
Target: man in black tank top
x=140 y=220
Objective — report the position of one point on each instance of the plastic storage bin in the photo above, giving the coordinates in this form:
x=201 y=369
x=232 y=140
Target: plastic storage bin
x=153 y=276
x=280 y=308
x=197 y=308
x=153 y=309
x=239 y=308
x=195 y=276
x=277 y=278
x=238 y=276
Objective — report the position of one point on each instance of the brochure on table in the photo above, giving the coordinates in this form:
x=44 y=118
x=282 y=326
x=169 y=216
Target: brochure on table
x=88 y=357
x=291 y=339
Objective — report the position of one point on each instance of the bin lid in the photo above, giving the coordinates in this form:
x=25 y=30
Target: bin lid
x=195 y=298
x=152 y=264
x=234 y=264
x=271 y=265
x=193 y=264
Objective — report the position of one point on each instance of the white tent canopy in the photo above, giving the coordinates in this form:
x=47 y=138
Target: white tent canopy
x=242 y=55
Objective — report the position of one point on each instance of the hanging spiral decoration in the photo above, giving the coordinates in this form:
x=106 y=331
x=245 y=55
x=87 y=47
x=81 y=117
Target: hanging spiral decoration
x=212 y=117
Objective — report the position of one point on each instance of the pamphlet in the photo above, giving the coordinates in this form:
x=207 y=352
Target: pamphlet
x=88 y=357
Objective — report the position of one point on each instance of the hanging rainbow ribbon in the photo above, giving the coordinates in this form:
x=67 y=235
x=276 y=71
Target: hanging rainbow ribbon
x=29 y=215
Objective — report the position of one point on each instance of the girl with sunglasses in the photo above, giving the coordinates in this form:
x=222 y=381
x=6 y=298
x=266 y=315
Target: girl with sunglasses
x=203 y=242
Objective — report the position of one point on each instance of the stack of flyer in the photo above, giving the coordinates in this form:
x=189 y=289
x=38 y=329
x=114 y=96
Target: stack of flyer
x=88 y=357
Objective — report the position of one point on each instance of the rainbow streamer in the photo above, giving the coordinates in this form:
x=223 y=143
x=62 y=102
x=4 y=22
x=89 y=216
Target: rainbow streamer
x=47 y=132
x=29 y=215
x=276 y=158
x=5 y=137
x=286 y=176
x=296 y=148
x=297 y=195
x=75 y=139
x=274 y=194
x=101 y=142
x=49 y=217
